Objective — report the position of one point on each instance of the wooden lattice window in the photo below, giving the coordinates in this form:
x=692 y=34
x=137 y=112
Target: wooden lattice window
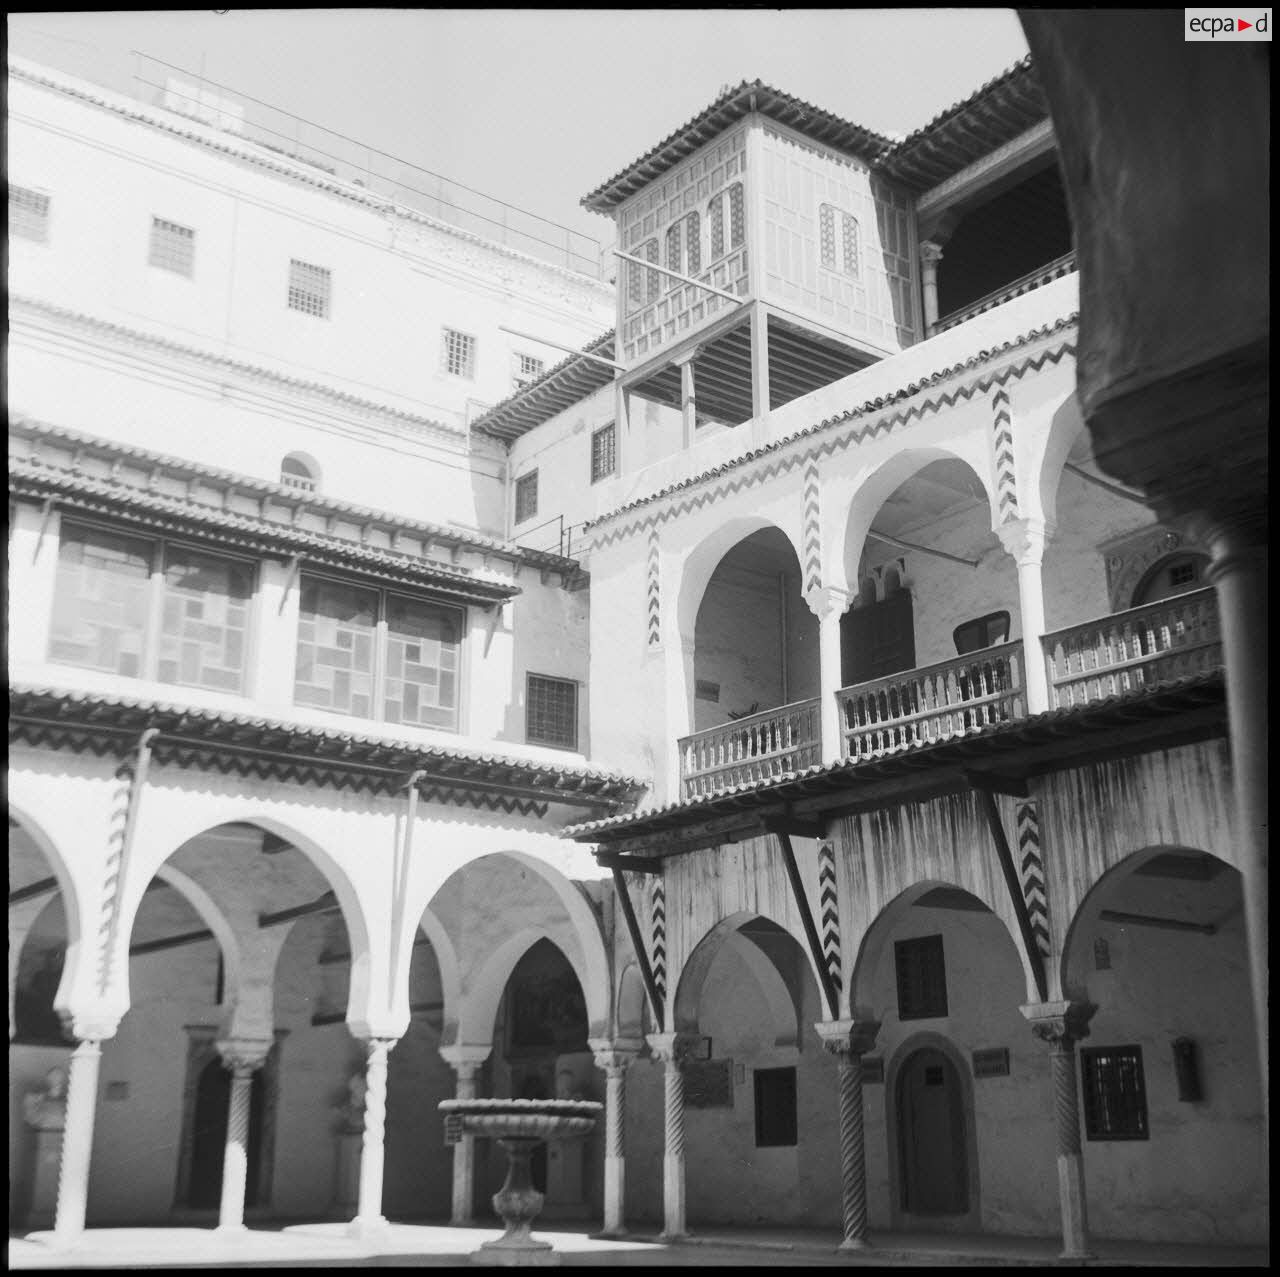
x=715 y=215
x=776 y=1119
x=737 y=218
x=675 y=257
x=1115 y=1096
x=838 y=236
x=922 y=978
x=692 y=244
x=172 y=248
x=551 y=712
x=604 y=452
x=526 y=496
x=310 y=289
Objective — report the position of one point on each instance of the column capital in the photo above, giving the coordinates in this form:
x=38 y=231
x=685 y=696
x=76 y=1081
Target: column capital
x=91 y=1028
x=848 y=1037
x=826 y=601
x=669 y=1047
x=1059 y=1024
x=615 y=1056
x=466 y=1058
x=930 y=252
x=247 y=1054
x=1026 y=538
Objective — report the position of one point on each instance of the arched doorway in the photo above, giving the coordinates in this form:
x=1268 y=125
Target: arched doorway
x=932 y=1159
x=209 y=1137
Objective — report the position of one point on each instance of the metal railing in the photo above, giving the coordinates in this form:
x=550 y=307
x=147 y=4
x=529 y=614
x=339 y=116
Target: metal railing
x=933 y=703
x=346 y=159
x=1056 y=269
x=756 y=747
x=1134 y=650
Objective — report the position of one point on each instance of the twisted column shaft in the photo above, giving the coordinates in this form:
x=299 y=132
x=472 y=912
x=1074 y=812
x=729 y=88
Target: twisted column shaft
x=1066 y=1111
x=853 y=1173
x=673 y=1169
x=615 y=1112
x=372 y=1144
x=77 y=1140
x=464 y=1153
x=235 y=1159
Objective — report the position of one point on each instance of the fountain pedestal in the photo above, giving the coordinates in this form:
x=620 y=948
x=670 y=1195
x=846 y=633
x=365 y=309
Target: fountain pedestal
x=520 y=1126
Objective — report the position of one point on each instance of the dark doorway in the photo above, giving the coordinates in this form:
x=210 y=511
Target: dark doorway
x=209 y=1136
x=877 y=639
x=931 y=1136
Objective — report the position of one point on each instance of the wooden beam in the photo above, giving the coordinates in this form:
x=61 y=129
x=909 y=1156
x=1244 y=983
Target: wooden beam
x=43 y=887
x=675 y=274
x=642 y=956
x=788 y=822
x=170 y=942
x=1167 y=924
x=327 y=903
x=632 y=864
x=1014 y=786
x=559 y=345
x=810 y=930
x=1011 y=881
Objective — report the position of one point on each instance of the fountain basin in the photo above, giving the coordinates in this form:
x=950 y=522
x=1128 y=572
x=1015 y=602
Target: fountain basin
x=520 y=1126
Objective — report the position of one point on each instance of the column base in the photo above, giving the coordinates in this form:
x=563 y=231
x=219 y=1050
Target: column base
x=667 y=1238
x=231 y=1230
x=528 y=1254
x=367 y=1226
x=855 y=1243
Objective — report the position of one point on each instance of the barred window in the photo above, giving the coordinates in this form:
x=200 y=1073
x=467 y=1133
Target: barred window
x=844 y=228
x=309 y=289
x=604 y=452
x=551 y=712
x=1115 y=1097
x=922 y=978
x=528 y=369
x=737 y=232
x=653 y=283
x=458 y=354
x=110 y=585
x=526 y=496
x=173 y=247
x=28 y=214
x=693 y=246
x=715 y=214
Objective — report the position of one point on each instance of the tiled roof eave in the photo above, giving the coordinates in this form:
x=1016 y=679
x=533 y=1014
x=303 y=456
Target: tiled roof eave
x=43 y=715
x=999 y=742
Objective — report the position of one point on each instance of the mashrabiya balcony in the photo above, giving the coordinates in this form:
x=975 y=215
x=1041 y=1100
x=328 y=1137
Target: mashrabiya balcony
x=1114 y=655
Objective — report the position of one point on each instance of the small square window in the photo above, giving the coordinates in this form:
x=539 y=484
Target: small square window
x=309 y=289
x=458 y=354
x=526 y=496
x=922 y=978
x=528 y=369
x=1115 y=1096
x=776 y=1125
x=604 y=452
x=28 y=214
x=173 y=247
x=551 y=712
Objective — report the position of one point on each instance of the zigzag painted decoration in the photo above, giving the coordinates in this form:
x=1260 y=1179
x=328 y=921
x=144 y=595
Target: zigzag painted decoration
x=1006 y=479
x=829 y=447
x=829 y=909
x=653 y=587
x=658 y=910
x=812 y=529
x=1033 y=888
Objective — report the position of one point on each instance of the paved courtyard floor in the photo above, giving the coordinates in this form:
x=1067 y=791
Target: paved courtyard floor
x=327 y=1245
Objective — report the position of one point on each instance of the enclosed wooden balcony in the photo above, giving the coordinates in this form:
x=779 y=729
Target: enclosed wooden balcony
x=1118 y=655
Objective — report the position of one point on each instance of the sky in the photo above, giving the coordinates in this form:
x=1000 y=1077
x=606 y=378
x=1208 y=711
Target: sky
x=539 y=106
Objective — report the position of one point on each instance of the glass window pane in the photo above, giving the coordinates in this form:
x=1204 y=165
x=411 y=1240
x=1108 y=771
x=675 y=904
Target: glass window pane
x=204 y=610
x=422 y=644
x=329 y=610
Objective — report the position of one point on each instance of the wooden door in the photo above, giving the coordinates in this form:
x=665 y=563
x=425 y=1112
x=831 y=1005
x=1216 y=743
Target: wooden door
x=931 y=1136
x=877 y=639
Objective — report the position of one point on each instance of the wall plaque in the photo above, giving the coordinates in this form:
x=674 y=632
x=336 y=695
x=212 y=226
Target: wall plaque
x=991 y=1062
x=708 y=1084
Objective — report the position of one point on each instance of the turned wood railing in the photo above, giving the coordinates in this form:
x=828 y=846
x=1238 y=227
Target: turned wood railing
x=1056 y=269
x=915 y=707
x=787 y=739
x=1132 y=650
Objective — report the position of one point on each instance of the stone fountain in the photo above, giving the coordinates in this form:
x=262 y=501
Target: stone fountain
x=520 y=1126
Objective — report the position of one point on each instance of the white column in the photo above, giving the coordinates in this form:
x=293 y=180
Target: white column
x=759 y=373
x=829 y=604
x=614 y=1058
x=273 y=652
x=33 y=566
x=1061 y=1025
x=688 y=397
x=670 y=1048
x=930 y=256
x=1025 y=540
x=244 y=1057
x=622 y=413
x=466 y=1062
x=369 y=1217
x=77 y=1141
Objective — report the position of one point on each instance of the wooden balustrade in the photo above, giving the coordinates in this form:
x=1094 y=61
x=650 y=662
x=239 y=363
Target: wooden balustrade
x=1056 y=269
x=757 y=747
x=917 y=706
x=1137 y=649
